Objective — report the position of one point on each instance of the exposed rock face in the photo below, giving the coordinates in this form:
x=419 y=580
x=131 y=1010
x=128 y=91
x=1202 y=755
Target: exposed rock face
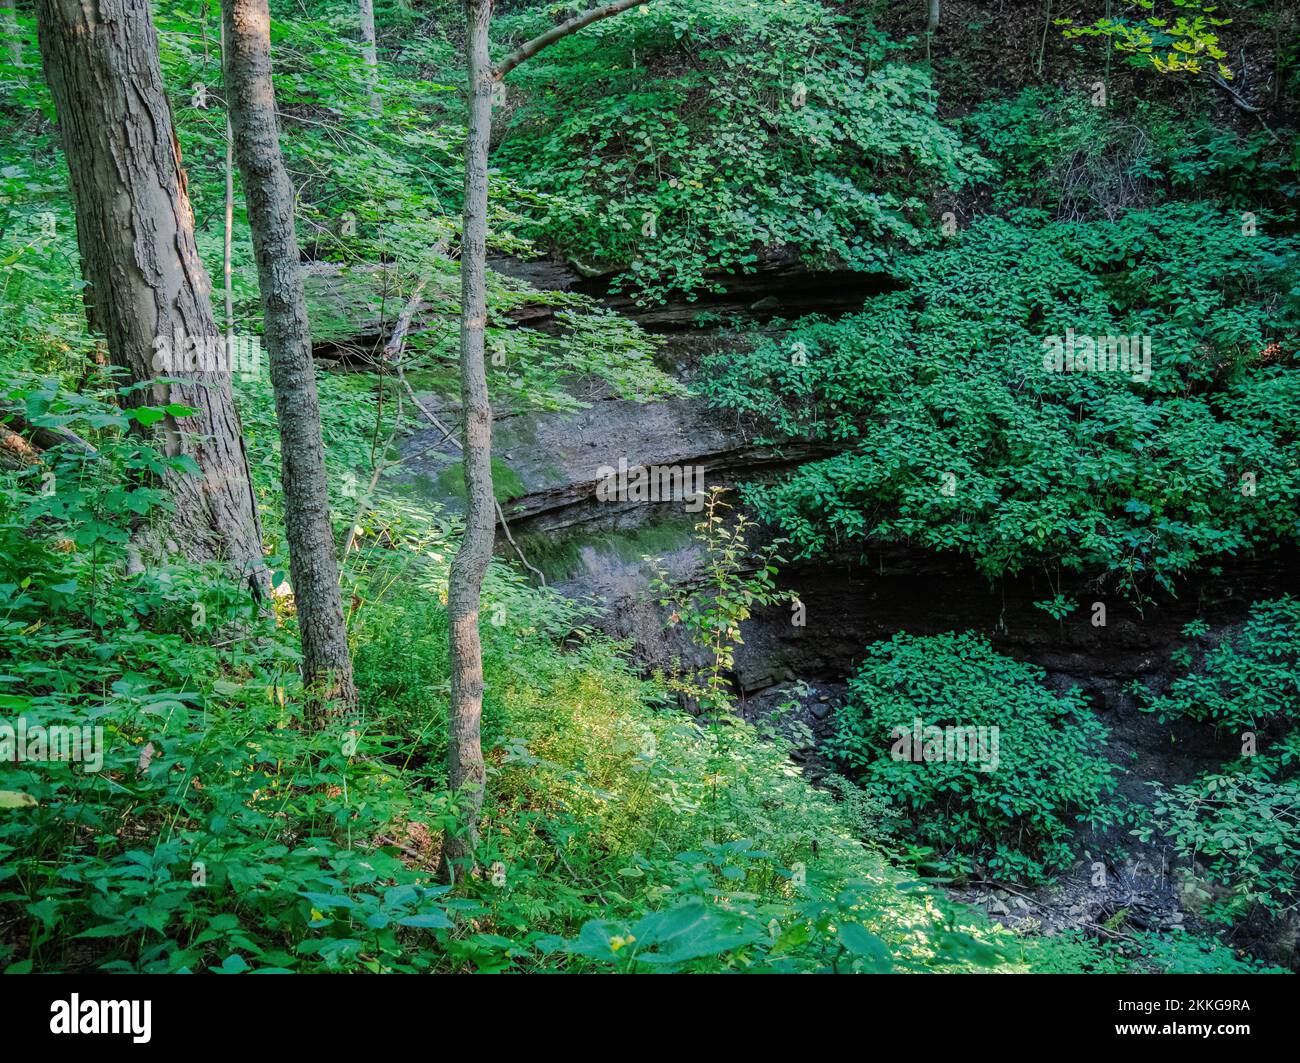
x=778 y=287
x=558 y=458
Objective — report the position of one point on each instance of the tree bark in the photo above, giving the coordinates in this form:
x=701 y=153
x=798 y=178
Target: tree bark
x=313 y=564
x=147 y=285
x=932 y=17
x=369 y=51
x=9 y=27
x=464 y=590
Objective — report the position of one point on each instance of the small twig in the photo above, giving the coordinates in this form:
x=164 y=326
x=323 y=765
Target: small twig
x=1249 y=108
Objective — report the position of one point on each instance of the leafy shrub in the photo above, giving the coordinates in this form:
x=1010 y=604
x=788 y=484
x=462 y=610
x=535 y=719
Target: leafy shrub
x=953 y=436
x=220 y=834
x=1240 y=826
x=787 y=127
x=1248 y=680
x=1244 y=829
x=1014 y=814
x=735 y=579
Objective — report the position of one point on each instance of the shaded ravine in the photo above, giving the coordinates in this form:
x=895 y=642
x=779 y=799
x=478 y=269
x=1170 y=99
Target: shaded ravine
x=595 y=550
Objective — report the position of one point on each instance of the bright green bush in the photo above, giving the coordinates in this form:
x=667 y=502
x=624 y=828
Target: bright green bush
x=219 y=833
x=1012 y=811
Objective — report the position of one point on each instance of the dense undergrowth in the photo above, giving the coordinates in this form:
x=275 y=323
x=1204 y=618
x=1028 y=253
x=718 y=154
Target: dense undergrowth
x=220 y=833
x=693 y=141
x=957 y=435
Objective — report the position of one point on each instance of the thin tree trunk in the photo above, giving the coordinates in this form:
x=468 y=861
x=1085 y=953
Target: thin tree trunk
x=228 y=232
x=466 y=769
x=313 y=564
x=9 y=27
x=149 y=292
x=932 y=17
x=369 y=52
x=464 y=590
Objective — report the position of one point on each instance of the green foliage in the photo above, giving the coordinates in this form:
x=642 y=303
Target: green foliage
x=1240 y=826
x=1244 y=830
x=42 y=316
x=619 y=834
x=732 y=583
x=1246 y=682
x=1010 y=812
x=1186 y=43
x=952 y=435
x=686 y=139
x=1144 y=952
x=219 y=834
x=818 y=930
x=1051 y=148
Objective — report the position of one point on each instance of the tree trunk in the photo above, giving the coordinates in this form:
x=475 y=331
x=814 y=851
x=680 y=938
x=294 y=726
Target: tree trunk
x=366 y=13
x=464 y=591
x=9 y=27
x=313 y=564
x=932 y=17
x=149 y=292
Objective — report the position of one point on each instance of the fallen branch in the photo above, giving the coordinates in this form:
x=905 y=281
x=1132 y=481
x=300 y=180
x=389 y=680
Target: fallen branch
x=1249 y=108
x=393 y=348
x=17 y=450
x=43 y=436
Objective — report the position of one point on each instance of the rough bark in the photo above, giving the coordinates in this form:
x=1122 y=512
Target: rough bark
x=147 y=285
x=313 y=564
x=228 y=229
x=464 y=591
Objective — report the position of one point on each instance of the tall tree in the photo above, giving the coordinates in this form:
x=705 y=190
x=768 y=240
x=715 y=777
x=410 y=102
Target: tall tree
x=313 y=563
x=148 y=291
x=466 y=768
